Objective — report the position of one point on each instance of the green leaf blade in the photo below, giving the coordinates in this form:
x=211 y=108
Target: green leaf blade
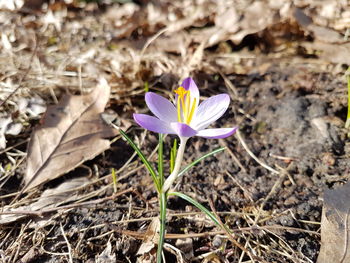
x=200 y=159
x=143 y=159
x=198 y=205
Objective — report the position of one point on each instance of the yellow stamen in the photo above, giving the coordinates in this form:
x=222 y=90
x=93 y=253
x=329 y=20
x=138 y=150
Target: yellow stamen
x=181 y=91
x=178 y=110
x=184 y=105
x=190 y=116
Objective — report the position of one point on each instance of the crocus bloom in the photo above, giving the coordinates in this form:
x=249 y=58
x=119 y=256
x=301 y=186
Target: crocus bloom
x=186 y=117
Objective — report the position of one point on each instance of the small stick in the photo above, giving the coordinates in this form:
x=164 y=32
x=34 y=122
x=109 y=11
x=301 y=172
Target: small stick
x=233 y=156
x=228 y=233
x=55 y=209
x=68 y=244
x=141 y=235
x=241 y=186
x=238 y=135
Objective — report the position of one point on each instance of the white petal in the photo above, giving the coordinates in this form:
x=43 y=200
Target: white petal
x=161 y=107
x=210 y=110
x=216 y=133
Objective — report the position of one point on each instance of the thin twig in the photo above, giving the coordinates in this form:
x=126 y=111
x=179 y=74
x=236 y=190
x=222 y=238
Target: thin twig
x=141 y=235
x=40 y=213
x=239 y=137
x=233 y=156
x=229 y=234
x=150 y=40
x=68 y=244
x=269 y=195
x=13 y=146
x=241 y=186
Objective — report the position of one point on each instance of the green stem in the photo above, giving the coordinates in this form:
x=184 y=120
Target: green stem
x=160 y=160
x=172 y=177
x=162 y=204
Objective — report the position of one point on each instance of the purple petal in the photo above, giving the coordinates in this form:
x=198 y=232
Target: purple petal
x=153 y=124
x=183 y=130
x=217 y=133
x=210 y=110
x=189 y=84
x=161 y=107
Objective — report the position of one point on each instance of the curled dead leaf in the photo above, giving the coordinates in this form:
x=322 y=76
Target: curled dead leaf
x=72 y=132
x=335 y=245
x=50 y=198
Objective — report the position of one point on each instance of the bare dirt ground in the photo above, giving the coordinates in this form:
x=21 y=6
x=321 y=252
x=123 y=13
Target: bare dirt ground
x=283 y=64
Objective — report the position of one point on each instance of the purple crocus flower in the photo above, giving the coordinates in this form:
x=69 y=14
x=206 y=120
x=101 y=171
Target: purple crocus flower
x=186 y=117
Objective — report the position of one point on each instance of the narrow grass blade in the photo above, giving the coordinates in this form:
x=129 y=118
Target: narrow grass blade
x=198 y=205
x=114 y=178
x=200 y=159
x=162 y=204
x=143 y=159
x=160 y=160
x=146 y=86
x=173 y=152
x=172 y=162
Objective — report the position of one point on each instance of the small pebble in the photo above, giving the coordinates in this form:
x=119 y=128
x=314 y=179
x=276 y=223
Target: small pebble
x=291 y=200
x=217 y=241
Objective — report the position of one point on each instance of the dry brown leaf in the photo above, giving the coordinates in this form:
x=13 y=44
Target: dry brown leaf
x=227 y=19
x=335 y=53
x=49 y=198
x=146 y=251
x=335 y=243
x=107 y=256
x=72 y=132
x=230 y=25
x=321 y=33
x=175 y=43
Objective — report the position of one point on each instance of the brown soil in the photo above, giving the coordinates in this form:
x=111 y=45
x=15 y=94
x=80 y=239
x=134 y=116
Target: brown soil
x=290 y=111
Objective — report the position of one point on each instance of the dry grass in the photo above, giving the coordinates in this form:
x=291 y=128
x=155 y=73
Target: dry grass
x=45 y=54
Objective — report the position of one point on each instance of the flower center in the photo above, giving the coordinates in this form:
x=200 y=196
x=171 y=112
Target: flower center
x=185 y=107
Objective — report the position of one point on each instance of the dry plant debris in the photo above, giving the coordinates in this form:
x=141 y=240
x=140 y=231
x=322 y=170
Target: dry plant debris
x=335 y=246
x=71 y=133
x=282 y=63
x=63 y=193
x=107 y=256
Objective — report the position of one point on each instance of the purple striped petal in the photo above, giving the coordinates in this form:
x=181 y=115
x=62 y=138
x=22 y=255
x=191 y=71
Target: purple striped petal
x=153 y=124
x=189 y=84
x=161 y=107
x=216 y=133
x=183 y=130
x=210 y=110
